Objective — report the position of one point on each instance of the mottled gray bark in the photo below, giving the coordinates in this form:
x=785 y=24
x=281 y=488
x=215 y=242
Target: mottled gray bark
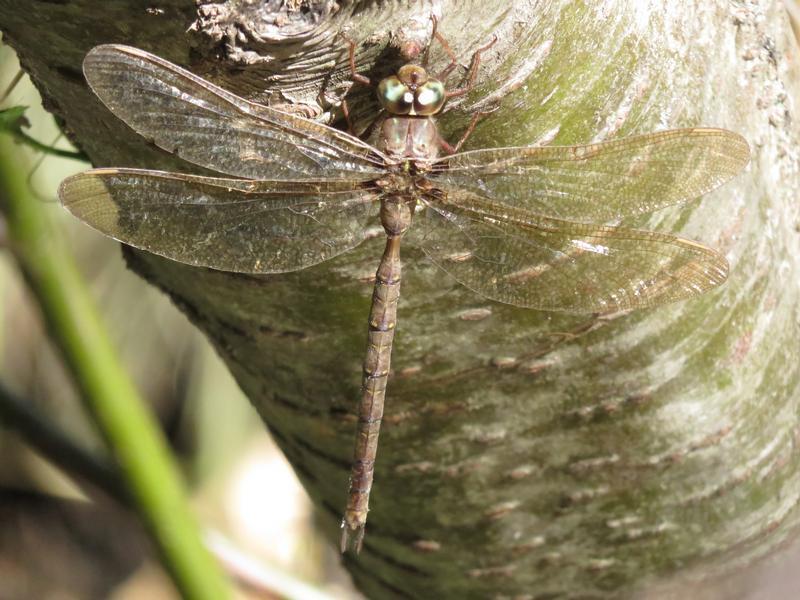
x=524 y=454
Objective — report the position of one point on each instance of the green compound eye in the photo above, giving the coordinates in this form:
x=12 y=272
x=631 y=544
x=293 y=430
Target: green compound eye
x=430 y=98
x=395 y=96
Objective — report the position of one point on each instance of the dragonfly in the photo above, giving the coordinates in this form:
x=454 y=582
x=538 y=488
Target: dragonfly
x=534 y=226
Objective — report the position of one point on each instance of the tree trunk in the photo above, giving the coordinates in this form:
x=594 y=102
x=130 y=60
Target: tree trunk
x=524 y=454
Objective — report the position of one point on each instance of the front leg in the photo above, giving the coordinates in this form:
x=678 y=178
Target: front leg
x=472 y=74
x=448 y=148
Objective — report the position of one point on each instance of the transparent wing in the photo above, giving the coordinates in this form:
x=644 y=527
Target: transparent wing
x=227 y=224
x=599 y=182
x=552 y=264
x=213 y=128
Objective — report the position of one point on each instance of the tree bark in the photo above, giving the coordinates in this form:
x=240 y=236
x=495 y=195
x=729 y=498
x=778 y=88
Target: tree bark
x=524 y=454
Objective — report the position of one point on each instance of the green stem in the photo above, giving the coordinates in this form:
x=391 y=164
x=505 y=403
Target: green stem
x=24 y=138
x=56 y=446
x=129 y=429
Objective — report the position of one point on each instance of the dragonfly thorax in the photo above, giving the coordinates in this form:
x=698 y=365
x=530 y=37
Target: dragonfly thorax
x=411 y=92
x=409 y=138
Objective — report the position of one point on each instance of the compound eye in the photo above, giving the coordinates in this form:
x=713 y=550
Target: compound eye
x=395 y=96
x=430 y=98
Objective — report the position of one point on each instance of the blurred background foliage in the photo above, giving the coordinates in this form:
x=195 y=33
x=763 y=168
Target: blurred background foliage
x=255 y=515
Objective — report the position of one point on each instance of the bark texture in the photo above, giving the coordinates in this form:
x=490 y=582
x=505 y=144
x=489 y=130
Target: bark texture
x=523 y=454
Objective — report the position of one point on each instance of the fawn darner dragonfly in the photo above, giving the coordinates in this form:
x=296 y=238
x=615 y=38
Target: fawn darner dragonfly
x=525 y=226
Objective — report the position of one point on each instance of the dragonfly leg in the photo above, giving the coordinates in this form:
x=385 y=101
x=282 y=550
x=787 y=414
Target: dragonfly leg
x=351 y=128
x=354 y=75
x=440 y=38
x=371 y=127
x=361 y=80
x=449 y=148
x=472 y=73
x=346 y=112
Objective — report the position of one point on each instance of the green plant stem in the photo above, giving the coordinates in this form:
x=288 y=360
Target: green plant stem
x=128 y=427
x=56 y=446
x=24 y=138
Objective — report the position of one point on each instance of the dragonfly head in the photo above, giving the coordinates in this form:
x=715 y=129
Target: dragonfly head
x=411 y=92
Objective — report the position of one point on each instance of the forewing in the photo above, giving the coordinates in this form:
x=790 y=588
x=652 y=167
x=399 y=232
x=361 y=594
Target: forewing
x=226 y=224
x=600 y=182
x=208 y=126
x=552 y=264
